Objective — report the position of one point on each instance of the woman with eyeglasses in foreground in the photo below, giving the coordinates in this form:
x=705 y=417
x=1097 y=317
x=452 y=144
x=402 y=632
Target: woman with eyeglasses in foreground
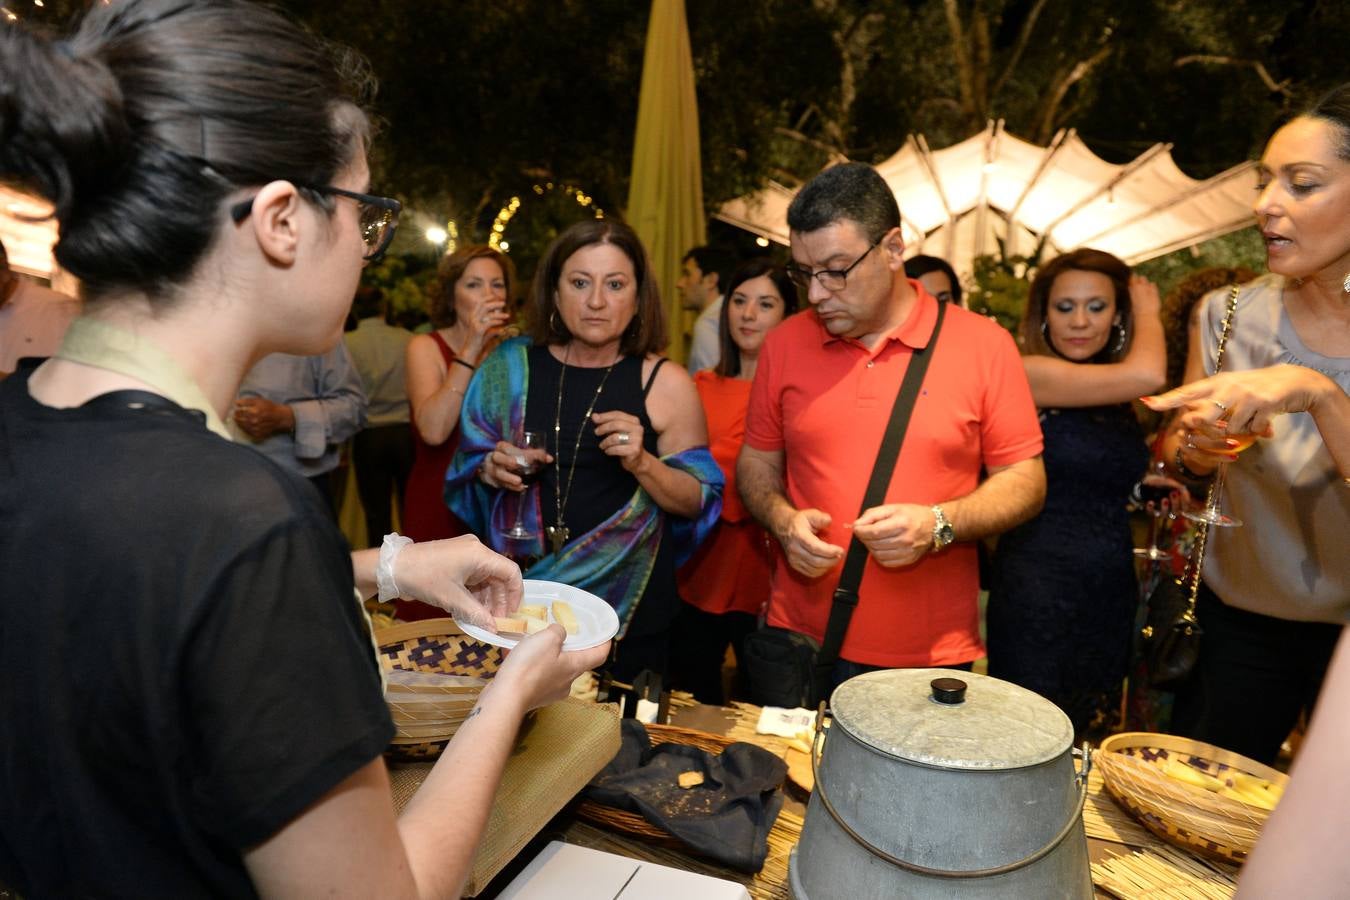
x=190 y=700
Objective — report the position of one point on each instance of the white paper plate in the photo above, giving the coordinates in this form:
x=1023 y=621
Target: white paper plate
x=596 y=620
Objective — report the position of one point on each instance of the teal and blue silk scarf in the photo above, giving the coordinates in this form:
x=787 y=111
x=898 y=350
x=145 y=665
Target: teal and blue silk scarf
x=614 y=560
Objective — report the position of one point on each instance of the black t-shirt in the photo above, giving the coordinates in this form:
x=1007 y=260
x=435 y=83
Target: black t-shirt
x=183 y=665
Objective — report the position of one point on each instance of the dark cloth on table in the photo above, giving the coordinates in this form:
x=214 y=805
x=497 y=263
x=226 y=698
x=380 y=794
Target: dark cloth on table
x=727 y=818
x=1249 y=661
x=1062 y=605
x=184 y=668
x=600 y=485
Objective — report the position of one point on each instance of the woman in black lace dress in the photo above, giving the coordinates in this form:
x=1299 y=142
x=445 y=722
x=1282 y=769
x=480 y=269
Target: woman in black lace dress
x=1062 y=604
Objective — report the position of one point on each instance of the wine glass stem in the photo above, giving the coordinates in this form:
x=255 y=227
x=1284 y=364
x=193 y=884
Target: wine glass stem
x=1216 y=489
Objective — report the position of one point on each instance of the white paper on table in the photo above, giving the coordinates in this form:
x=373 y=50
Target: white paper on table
x=646 y=709
x=788 y=723
x=567 y=872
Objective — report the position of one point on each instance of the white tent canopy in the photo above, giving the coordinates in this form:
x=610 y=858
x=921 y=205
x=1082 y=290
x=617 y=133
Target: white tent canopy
x=28 y=237
x=958 y=202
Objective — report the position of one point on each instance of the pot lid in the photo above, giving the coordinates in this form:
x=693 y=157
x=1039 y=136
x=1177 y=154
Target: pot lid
x=990 y=725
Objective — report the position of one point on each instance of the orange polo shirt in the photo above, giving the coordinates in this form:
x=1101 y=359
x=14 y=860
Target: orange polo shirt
x=824 y=401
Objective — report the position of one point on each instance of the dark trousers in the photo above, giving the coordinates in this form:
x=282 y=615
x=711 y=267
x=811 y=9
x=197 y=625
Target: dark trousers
x=327 y=485
x=844 y=669
x=632 y=655
x=698 y=647
x=383 y=457
x=1254 y=676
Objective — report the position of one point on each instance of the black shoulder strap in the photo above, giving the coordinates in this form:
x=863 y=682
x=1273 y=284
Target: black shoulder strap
x=846 y=594
x=651 y=379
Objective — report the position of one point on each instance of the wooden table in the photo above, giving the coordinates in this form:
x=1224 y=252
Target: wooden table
x=1114 y=840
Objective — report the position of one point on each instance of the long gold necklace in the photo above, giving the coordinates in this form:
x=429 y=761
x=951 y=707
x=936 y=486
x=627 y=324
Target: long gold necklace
x=558 y=533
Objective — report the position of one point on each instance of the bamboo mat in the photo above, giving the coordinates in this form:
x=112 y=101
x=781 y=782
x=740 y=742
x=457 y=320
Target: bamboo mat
x=1164 y=873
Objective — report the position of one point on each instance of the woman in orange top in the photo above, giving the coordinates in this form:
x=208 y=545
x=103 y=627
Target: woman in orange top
x=726 y=583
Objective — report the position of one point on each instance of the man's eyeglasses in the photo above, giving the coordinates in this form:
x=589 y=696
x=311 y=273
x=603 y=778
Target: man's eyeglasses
x=379 y=216
x=830 y=279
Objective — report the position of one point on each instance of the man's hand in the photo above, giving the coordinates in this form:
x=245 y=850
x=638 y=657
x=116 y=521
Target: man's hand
x=260 y=418
x=896 y=534
x=805 y=552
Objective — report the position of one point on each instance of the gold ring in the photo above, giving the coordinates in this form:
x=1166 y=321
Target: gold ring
x=1222 y=407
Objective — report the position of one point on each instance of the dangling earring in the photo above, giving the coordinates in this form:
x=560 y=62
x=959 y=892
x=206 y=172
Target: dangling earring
x=1345 y=285
x=553 y=326
x=1045 y=332
x=1120 y=339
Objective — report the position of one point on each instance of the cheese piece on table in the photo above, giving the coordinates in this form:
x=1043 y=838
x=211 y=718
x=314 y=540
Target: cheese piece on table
x=533 y=612
x=563 y=615
x=690 y=779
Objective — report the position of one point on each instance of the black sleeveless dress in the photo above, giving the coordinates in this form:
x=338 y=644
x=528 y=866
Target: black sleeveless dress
x=601 y=485
x=1064 y=593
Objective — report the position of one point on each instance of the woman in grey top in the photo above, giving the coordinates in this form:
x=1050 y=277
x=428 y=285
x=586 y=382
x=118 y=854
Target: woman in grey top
x=1277 y=590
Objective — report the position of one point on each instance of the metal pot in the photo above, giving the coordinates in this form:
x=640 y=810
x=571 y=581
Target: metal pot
x=936 y=783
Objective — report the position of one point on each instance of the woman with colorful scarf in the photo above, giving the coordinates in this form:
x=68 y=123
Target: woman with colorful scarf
x=626 y=486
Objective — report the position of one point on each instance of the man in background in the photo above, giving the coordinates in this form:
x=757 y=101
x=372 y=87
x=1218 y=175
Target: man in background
x=299 y=410
x=33 y=319
x=703 y=273
x=382 y=452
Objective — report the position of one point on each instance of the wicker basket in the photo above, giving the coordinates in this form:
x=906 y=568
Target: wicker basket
x=426 y=715
x=633 y=823
x=1180 y=813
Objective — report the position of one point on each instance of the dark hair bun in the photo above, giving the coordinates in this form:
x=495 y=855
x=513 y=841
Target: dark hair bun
x=140 y=127
x=67 y=134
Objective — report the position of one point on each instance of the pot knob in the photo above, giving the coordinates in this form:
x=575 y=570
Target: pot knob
x=948 y=690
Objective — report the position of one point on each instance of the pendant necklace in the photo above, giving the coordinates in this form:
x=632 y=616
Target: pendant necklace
x=558 y=533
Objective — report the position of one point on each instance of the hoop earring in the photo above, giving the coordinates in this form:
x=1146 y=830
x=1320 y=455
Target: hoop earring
x=1045 y=332
x=1120 y=339
x=553 y=326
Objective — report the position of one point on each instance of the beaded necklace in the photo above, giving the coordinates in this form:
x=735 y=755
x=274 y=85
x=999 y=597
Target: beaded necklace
x=558 y=533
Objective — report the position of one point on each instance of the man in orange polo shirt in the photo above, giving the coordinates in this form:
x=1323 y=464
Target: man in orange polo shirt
x=823 y=393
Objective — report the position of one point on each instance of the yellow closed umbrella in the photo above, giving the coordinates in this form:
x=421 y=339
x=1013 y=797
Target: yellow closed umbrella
x=665 y=195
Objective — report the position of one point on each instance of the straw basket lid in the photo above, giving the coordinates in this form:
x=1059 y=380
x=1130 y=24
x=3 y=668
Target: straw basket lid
x=436 y=673
x=911 y=714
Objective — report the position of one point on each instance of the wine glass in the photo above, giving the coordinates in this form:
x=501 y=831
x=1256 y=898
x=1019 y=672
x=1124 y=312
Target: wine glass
x=529 y=466
x=1156 y=499
x=1210 y=514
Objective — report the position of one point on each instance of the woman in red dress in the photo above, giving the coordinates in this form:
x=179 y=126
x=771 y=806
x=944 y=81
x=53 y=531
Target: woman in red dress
x=726 y=583
x=469 y=312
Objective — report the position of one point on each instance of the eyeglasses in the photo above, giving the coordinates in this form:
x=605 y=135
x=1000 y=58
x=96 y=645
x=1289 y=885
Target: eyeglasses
x=830 y=279
x=379 y=216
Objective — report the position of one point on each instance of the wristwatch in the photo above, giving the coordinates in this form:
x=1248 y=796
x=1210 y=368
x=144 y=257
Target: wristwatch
x=943 y=533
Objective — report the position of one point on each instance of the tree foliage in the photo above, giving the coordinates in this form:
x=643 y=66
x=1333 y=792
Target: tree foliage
x=482 y=100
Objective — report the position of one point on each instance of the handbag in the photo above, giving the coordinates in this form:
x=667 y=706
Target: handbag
x=1171 y=633
x=787 y=668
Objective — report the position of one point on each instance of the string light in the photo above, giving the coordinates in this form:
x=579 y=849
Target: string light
x=762 y=241
x=497 y=234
